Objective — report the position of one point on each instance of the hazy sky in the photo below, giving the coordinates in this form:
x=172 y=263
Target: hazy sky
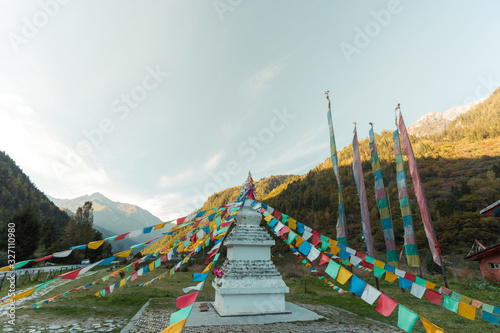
x=162 y=103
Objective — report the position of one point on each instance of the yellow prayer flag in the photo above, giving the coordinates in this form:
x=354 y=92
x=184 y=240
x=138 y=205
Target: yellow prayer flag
x=384 y=213
x=333 y=241
x=298 y=241
x=466 y=300
x=343 y=276
x=207 y=269
x=159 y=226
x=95 y=245
x=292 y=223
x=334 y=249
x=391 y=277
x=429 y=285
x=405 y=210
x=21 y=295
x=122 y=283
x=379 y=263
x=175 y=328
x=308 y=265
x=268 y=218
x=466 y=311
x=430 y=327
x=151 y=266
x=399 y=167
x=5 y=268
x=124 y=254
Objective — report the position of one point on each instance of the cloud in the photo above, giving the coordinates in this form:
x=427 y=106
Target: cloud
x=41 y=153
x=261 y=80
x=168 y=206
x=213 y=162
x=168 y=181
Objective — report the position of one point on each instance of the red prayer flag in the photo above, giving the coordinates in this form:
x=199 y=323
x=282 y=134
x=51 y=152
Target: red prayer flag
x=186 y=300
x=410 y=277
x=361 y=255
x=70 y=275
x=324 y=259
x=366 y=264
x=277 y=214
x=225 y=224
x=181 y=220
x=433 y=297
x=284 y=230
x=122 y=236
x=446 y=291
x=44 y=258
x=385 y=305
x=315 y=240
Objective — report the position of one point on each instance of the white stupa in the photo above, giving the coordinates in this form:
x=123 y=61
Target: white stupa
x=251 y=284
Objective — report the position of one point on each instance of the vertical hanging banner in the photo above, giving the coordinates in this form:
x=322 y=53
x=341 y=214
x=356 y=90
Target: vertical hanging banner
x=360 y=185
x=419 y=193
x=410 y=243
x=383 y=207
x=341 y=220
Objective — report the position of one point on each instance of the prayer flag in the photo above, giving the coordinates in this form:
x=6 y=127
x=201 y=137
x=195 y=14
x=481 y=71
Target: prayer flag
x=360 y=185
x=370 y=294
x=430 y=327
x=406 y=318
x=385 y=305
x=186 y=300
x=341 y=219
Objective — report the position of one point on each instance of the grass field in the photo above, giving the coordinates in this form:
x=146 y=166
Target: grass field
x=124 y=302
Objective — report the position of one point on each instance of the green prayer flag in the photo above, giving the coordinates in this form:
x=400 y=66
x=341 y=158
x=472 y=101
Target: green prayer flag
x=450 y=303
x=420 y=281
x=378 y=272
x=291 y=237
x=332 y=269
x=180 y=315
x=406 y=318
x=370 y=260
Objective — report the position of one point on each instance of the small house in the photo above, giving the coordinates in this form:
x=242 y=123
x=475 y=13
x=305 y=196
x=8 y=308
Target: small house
x=488 y=258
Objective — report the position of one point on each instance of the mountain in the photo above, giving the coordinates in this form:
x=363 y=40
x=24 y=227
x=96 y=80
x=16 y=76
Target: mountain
x=18 y=192
x=436 y=122
x=459 y=168
x=110 y=217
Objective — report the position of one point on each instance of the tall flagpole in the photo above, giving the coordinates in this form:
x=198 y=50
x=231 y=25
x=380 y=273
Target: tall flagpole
x=363 y=202
x=422 y=203
x=341 y=220
x=382 y=204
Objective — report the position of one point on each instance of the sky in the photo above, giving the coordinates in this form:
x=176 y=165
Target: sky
x=162 y=103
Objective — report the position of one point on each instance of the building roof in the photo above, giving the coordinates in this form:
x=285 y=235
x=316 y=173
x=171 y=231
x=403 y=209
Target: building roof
x=492 y=210
x=484 y=252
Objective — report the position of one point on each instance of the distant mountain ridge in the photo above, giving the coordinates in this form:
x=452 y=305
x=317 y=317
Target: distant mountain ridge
x=435 y=122
x=110 y=217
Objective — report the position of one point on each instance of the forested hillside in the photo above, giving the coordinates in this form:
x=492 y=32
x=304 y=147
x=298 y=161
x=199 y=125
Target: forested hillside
x=41 y=228
x=17 y=192
x=460 y=170
x=263 y=188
